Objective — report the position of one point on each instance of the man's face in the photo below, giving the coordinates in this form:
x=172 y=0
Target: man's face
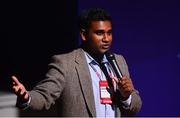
x=99 y=37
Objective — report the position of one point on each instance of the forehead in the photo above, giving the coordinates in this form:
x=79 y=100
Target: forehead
x=101 y=25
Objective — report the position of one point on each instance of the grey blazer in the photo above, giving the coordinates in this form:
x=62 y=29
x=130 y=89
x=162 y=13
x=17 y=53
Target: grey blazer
x=68 y=84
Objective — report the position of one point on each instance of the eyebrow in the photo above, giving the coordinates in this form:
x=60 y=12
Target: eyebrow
x=99 y=31
x=103 y=30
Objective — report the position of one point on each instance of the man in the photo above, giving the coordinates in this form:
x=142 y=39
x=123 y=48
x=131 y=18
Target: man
x=77 y=82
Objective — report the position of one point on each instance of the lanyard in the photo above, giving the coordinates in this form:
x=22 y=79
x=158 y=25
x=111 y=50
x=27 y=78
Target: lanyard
x=95 y=70
x=109 y=70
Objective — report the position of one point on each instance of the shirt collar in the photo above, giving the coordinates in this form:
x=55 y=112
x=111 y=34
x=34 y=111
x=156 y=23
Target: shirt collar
x=90 y=59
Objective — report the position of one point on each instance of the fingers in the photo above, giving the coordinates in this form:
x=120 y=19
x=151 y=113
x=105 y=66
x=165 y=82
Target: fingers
x=116 y=80
x=16 y=85
x=123 y=81
x=22 y=93
x=15 y=80
x=19 y=89
x=125 y=85
x=26 y=96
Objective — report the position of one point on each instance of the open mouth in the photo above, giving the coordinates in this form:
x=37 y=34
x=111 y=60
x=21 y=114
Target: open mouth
x=105 y=46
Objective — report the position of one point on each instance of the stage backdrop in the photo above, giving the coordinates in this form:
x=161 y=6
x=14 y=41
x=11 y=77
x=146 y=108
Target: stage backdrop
x=147 y=34
x=31 y=32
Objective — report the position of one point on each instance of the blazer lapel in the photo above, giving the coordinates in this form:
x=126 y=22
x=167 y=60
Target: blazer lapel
x=85 y=81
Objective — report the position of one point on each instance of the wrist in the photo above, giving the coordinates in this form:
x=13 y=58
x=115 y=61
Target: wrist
x=124 y=98
x=23 y=103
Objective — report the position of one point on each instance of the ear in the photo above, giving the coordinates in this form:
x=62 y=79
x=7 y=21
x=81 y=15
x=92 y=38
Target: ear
x=83 y=34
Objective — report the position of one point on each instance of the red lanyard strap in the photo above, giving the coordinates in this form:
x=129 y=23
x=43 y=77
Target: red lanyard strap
x=95 y=70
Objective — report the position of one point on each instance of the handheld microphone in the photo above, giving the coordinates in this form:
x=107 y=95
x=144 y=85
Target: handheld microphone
x=111 y=58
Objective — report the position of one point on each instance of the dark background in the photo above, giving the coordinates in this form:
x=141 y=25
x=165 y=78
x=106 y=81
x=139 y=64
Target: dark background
x=145 y=32
x=31 y=33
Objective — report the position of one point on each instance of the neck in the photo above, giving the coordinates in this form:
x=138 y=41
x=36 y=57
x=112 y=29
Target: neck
x=94 y=55
x=98 y=58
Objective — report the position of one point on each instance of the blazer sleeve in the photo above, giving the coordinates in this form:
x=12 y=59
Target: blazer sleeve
x=46 y=92
x=136 y=101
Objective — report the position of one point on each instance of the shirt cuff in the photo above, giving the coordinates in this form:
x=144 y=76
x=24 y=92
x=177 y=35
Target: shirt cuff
x=127 y=102
x=25 y=105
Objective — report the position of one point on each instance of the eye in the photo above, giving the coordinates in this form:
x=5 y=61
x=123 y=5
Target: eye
x=109 y=32
x=99 y=32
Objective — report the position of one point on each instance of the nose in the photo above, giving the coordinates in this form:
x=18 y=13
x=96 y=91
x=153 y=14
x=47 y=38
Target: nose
x=106 y=37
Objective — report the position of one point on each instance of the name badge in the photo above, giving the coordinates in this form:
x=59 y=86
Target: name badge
x=105 y=92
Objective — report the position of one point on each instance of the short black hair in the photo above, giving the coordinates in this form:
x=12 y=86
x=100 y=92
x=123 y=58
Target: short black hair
x=92 y=14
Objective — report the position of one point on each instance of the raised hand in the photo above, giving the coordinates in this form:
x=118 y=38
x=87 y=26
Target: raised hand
x=19 y=89
x=125 y=85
